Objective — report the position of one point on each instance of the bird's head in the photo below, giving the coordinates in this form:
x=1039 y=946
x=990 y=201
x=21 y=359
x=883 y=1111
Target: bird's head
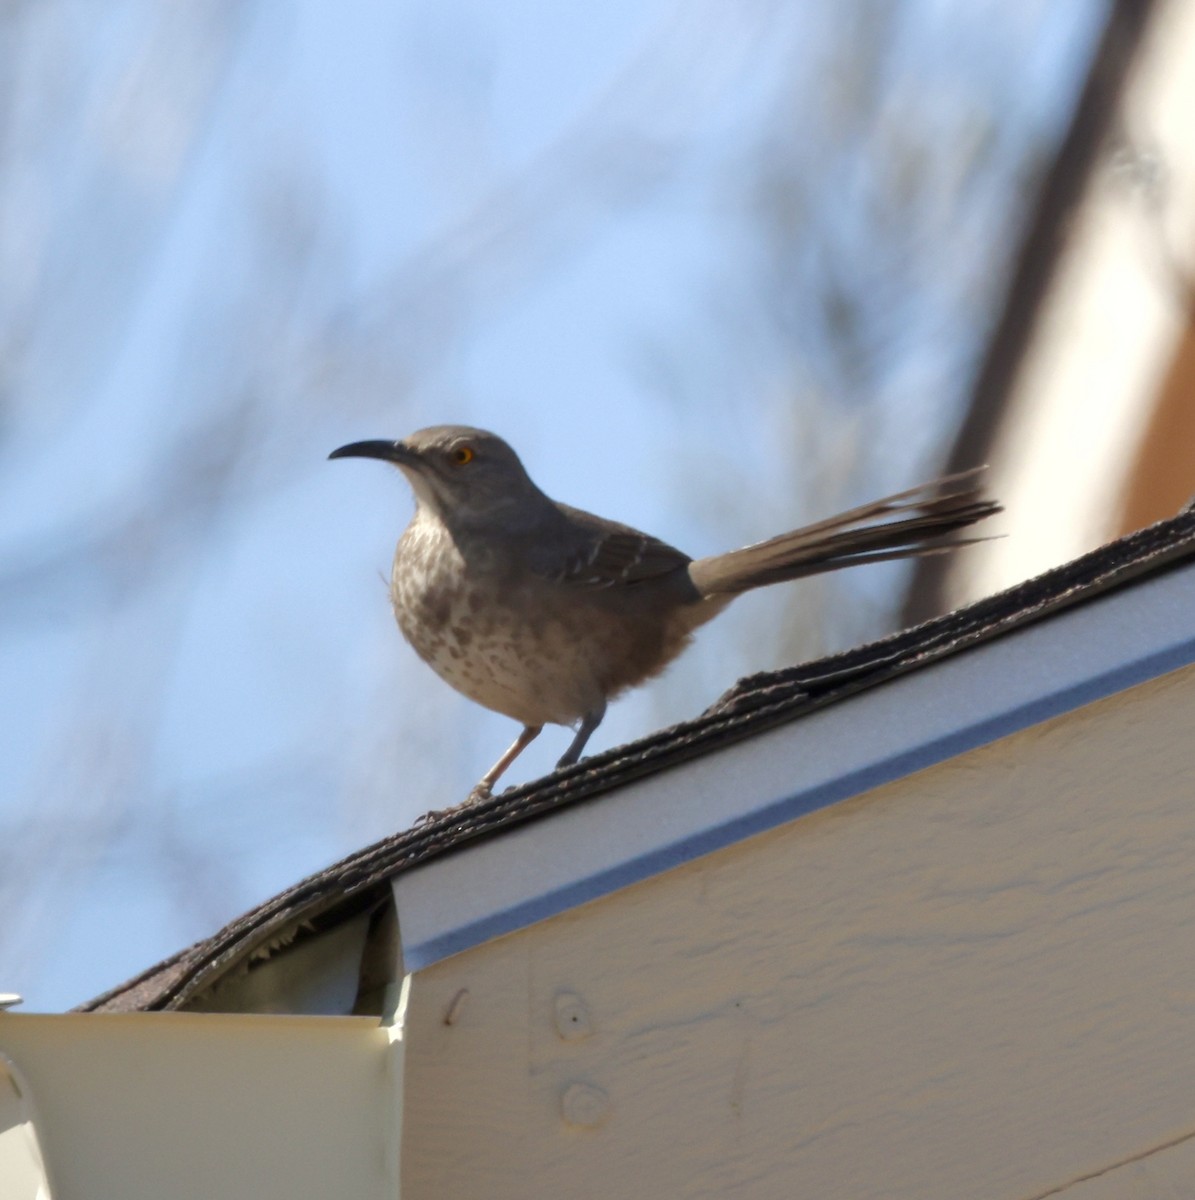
x=461 y=474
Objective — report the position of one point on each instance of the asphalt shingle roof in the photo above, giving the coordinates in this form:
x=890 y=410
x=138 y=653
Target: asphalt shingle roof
x=759 y=702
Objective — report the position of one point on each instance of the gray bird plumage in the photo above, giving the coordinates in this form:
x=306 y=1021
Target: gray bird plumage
x=546 y=613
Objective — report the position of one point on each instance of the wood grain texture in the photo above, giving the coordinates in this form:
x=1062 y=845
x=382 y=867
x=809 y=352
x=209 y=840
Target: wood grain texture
x=979 y=981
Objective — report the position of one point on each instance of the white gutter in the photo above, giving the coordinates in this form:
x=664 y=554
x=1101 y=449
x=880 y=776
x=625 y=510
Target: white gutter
x=23 y=1174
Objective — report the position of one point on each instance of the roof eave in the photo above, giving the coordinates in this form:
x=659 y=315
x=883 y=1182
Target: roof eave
x=540 y=869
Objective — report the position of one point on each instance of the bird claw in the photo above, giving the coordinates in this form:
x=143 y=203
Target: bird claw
x=479 y=793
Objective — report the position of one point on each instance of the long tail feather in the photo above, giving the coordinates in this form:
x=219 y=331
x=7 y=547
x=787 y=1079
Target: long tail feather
x=919 y=521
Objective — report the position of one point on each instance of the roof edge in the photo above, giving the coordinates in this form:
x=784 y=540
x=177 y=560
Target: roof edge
x=751 y=708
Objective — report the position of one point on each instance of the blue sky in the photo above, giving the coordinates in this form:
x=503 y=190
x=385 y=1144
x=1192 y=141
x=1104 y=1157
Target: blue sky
x=715 y=269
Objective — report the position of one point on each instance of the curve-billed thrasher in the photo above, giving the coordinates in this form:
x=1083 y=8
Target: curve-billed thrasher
x=545 y=613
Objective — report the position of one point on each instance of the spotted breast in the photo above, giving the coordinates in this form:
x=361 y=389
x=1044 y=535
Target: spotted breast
x=475 y=634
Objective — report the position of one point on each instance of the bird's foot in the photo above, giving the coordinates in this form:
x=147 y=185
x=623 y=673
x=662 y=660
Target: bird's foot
x=480 y=792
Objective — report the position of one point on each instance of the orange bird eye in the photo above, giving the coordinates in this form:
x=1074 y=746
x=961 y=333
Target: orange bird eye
x=462 y=455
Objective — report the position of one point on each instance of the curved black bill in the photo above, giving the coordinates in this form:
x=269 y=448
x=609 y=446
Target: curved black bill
x=387 y=451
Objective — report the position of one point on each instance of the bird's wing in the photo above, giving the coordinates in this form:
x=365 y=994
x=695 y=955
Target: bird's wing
x=606 y=554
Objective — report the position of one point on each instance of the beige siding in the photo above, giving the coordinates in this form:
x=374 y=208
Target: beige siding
x=978 y=982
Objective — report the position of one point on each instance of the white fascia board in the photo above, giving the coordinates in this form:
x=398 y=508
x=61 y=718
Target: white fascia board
x=537 y=870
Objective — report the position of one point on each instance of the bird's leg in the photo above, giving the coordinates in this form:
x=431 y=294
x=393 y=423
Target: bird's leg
x=589 y=723
x=486 y=784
